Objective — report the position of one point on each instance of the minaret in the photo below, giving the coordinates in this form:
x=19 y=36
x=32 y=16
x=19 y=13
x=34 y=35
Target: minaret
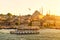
x=49 y=12
x=41 y=10
x=54 y=20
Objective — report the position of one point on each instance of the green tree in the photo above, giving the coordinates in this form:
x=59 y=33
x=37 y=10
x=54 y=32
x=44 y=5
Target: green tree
x=9 y=14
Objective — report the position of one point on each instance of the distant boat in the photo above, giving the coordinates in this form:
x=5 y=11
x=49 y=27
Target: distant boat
x=26 y=30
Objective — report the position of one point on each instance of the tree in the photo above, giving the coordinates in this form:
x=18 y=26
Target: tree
x=30 y=24
x=9 y=14
x=1 y=15
x=17 y=23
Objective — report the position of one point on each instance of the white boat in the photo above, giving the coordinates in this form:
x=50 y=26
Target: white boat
x=26 y=30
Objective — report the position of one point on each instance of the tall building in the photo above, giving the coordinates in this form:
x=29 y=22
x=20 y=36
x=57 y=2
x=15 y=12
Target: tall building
x=36 y=18
x=37 y=15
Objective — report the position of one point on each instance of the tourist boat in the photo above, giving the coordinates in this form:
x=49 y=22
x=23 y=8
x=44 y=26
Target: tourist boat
x=26 y=30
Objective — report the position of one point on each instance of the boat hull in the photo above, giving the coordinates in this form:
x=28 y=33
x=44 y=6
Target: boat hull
x=12 y=32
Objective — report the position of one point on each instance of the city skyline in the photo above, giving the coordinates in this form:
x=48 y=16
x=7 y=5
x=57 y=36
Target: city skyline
x=24 y=7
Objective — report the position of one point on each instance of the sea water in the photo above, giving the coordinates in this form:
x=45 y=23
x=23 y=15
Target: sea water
x=45 y=34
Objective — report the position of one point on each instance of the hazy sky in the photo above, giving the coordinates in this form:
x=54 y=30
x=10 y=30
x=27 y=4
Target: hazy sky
x=22 y=6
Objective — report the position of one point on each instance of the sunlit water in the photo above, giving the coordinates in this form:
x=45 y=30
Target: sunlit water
x=45 y=34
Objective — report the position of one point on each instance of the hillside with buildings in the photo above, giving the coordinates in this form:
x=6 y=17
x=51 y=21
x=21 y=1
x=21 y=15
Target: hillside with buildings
x=43 y=21
x=9 y=21
x=36 y=19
